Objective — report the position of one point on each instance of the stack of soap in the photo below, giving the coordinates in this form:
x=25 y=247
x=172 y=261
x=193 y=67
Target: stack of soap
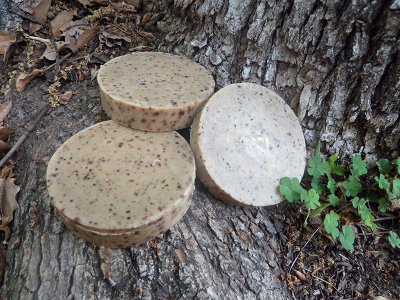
x=125 y=181
x=116 y=187
x=154 y=91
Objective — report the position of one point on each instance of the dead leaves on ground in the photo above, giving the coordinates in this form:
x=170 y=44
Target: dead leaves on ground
x=79 y=28
x=8 y=188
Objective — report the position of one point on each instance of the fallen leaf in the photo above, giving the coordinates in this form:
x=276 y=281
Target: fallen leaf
x=40 y=13
x=4 y=110
x=61 y=21
x=86 y=2
x=50 y=53
x=65 y=97
x=4 y=146
x=8 y=202
x=6 y=39
x=70 y=43
x=23 y=79
x=4 y=133
x=7 y=171
x=85 y=37
x=75 y=28
x=111 y=37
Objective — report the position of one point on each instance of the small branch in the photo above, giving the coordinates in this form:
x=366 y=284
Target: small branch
x=328 y=283
x=386 y=218
x=62 y=59
x=16 y=10
x=28 y=129
x=305 y=245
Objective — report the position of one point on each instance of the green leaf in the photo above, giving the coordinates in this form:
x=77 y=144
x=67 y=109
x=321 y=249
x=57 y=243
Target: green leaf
x=312 y=201
x=363 y=209
x=396 y=187
x=317 y=185
x=333 y=199
x=382 y=182
x=331 y=224
x=369 y=221
x=352 y=186
x=347 y=238
x=319 y=209
x=316 y=167
x=384 y=165
x=337 y=169
x=331 y=184
x=394 y=239
x=383 y=205
x=397 y=162
x=356 y=201
x=358 y=166
x=290 y=189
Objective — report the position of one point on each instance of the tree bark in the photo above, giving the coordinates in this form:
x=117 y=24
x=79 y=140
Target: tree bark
x=337 y=64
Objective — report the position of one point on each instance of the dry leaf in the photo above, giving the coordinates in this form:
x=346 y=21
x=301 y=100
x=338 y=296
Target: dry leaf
x=23 y=79
x=6 y=39
x=4 y=133
x=75 y=28
x=50 y=52
x=7 y=171
x=4 y=110
x=61 y=21
x=65 y=97
x=40 y=13
x=8 y=194
x=86 y=2
x=70 y=43
x=112 y=37
x=4 y=146
x=86 y=37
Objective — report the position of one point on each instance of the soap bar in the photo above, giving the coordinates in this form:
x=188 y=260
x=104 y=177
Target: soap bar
x=245 y=139
x=153 y=91
x=112 y=180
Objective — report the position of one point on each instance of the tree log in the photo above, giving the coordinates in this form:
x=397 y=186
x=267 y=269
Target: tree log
x=337 y=64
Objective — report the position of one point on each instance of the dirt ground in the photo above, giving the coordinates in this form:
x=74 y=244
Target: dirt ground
x=313 y=266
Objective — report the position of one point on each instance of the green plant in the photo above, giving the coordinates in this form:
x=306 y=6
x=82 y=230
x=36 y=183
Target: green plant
x=333 y=189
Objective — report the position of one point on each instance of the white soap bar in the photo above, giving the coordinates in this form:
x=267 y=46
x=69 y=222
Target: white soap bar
x=153 y=91
x=245 y=139
x=111 y=179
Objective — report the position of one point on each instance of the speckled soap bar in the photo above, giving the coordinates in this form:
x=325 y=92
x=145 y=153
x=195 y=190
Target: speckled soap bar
x=153 y=91
x=245 y=139
x=116 y=187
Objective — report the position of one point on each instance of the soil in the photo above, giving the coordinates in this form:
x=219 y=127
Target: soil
x=313 y=265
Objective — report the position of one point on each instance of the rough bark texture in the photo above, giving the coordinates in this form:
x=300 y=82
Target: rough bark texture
x=338 y=65
x=336 y=62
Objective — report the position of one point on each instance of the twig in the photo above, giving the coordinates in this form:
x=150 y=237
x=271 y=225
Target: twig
x=328 y=283
x=53 y=42
x=386 y=218
x=28 y=129
x=305 y=245
x=62 y=59
x=26 y=16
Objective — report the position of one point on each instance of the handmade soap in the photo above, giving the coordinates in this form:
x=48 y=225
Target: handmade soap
x=245 y=139
x=109 y=180
x=153 y=91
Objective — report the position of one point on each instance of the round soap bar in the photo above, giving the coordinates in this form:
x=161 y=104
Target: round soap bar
x=110 y=180
x=245 y=139
x=153 y=91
